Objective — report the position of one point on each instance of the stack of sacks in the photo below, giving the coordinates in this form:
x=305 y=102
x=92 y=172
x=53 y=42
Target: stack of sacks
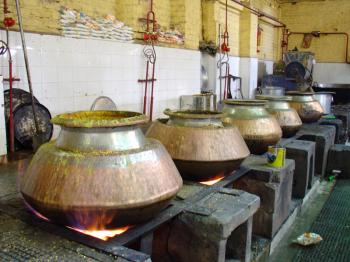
x=79 y=25
x=171 y=37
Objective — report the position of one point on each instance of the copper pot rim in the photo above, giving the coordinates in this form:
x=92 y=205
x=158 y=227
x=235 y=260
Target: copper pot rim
x=273 y=98
x=99 y=119
x=194 y=114
x=245 y=102
x=163 y=121
x=203 y=94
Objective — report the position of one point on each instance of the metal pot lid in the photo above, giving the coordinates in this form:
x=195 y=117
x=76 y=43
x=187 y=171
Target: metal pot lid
x=299 y=93
x=103 y=103
x=324 y=93
x=194 y=114
x=95 y=119
x=275 y=98
x=245 y=102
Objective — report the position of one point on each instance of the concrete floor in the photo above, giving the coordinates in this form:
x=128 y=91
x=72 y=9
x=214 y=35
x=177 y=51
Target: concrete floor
x=286 y=250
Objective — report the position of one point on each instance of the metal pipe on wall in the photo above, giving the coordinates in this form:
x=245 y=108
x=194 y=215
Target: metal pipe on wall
x=263 y=14
x=260 y=14
x=317 y=34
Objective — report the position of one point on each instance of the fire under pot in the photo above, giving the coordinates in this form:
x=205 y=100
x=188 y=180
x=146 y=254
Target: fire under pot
x=286 y=116
x=308 y=108
x=100 y=173
x=258 y=128
x=201 y=147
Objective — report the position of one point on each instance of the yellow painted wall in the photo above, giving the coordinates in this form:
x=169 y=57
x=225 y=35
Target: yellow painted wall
x=271 y=36
x=43 y=16
x=214 y=14
x=196 y=19
x=321 y=16
x=243 y=27
x=186 y=16
x=247 y=34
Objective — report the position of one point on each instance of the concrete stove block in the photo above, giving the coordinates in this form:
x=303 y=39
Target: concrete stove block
x=340 y=130
x=217 y=228
x=324 y=137
x=339 y=159
x=343 y=113
x=303 y=153
x=274 y=187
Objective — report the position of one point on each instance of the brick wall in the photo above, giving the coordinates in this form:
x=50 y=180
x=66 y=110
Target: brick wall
x=319 y=16
x=43 y=16
x=185 y=15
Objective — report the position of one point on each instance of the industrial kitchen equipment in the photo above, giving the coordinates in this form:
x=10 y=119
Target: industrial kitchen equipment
x=341 y=91
x=293 y=73
x=100 y=173
x=309 y=109
x=24 y=126
x=103 y=103
x=258 y=128
x=24 y=123
x=325 y=99
x=204 y=102
x=201 y=147
x=286 y=116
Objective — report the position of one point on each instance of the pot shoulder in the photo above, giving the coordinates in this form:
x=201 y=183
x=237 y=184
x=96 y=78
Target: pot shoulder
x=200 y=143
x=308 y=111
x=126 y=179
x=260 y=129
x=287 y=117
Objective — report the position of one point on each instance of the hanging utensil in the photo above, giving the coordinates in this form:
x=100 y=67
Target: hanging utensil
x=38 y=138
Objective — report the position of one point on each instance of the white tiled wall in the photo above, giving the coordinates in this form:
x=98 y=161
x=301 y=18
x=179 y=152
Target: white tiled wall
x=248 y=69
x=265 y=67
x=68 y=74
x=333 y=73
x=234 y=70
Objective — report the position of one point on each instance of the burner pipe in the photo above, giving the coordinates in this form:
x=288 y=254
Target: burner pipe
x=263 y=14
x=146 y=85
x=260 y=13
x=152 y=91
x=326 y=33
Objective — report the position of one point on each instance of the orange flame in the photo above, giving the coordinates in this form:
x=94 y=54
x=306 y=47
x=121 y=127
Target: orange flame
x=35 y=212
x=212 y=181
x=104 y=234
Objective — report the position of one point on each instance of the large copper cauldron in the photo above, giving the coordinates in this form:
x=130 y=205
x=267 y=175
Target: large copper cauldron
x=101 y=172
x=286 y=116
x=202 y=148
x=258 y=128
x=308 y=108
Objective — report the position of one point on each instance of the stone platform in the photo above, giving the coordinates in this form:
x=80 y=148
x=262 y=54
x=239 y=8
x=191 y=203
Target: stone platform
x=274 y=187
x=339 y=159
x=343 y=113
x=340 y=130
x=217 y=228
x=324 y=137
x=303 y=153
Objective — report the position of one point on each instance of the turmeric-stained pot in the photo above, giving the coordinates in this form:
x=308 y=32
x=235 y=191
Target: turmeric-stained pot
x=258 y=128
x=286 y=116
x=101 y=172
x=308 y=108
x=201 y=147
